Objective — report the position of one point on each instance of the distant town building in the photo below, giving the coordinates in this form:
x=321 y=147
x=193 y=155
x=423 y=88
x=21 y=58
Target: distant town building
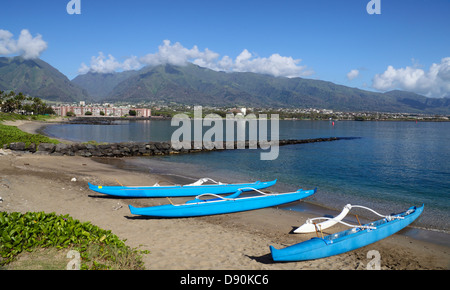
x=237 y=111
x=97 y=111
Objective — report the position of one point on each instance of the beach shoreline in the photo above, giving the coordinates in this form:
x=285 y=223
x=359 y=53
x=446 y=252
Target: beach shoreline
x=38 y=127
x=238 y=241
x=309 y=206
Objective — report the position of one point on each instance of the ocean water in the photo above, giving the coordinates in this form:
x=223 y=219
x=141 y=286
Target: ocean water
x=390 y=167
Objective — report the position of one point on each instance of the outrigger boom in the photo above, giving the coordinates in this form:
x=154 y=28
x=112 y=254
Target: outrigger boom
x=310 y=226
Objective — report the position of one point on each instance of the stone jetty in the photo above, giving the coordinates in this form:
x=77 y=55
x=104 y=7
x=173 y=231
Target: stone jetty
x=125 y=149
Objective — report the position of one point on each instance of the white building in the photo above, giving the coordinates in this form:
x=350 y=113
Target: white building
x=96 y=111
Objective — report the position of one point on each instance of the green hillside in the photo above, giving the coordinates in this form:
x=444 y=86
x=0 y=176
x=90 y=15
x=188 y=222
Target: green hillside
x=100 y=85
x=37 y=78
x=195 y=85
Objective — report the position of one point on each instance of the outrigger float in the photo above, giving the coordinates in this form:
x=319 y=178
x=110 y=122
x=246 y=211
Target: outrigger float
x=221 y=205
x=192 y=189
x=341 y=242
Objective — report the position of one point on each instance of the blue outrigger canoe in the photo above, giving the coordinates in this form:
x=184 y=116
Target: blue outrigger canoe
x=348 y=240
x=221 y=205
x=192 y=189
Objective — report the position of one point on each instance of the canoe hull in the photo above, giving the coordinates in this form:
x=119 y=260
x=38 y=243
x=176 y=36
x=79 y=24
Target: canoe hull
x=317 y=248
x=177 y=190
x=221 y=206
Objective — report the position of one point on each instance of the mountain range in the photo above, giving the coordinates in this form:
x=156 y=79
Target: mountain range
x=195 y=85
x=37 y=78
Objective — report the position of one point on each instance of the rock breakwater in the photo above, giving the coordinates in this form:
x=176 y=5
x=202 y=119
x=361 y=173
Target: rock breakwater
x=125 y=149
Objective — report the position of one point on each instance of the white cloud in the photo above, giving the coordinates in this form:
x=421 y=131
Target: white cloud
x=103 y=64
x=354 y=73
x=432 y=83
x=177 y=54
x=27 y=46
x=7 y=44
x=275 y=65
x=131 y=63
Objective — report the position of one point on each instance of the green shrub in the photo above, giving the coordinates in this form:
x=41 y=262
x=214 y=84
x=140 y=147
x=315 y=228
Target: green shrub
x=99 y=249
x=10 y=134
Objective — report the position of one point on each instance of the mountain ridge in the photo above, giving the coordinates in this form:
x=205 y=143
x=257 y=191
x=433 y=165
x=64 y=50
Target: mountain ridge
x=37 y=78
x=194 y=85
x=99 y=85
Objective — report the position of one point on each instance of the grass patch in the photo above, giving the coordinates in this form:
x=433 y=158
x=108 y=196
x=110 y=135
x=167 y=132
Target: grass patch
x=40 y=259
x=15 y=117
x=95 y=143
x=33 y=231
x=10 y=134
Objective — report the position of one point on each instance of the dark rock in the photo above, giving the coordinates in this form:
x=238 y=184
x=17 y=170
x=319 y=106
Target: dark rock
x=17 y=146
x=79 y=146
x=32 y=147
x=90 y=147
x=124 y=149
x=63 y=148
x=46 y=147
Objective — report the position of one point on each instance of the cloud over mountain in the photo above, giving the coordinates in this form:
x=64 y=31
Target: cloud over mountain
x=26 y=45
x=354 y=73
x=177 y=54
x=103 y=64
x=432 y=83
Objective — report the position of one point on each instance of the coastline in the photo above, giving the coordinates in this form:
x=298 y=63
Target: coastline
x=238 y=241
x=37 y=127
x=181 y=176
x=231 y=241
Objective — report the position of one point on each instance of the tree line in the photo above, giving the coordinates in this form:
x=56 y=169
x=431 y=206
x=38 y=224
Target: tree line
x=19 y=103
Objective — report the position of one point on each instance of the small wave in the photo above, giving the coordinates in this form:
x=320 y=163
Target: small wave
x=442 y=231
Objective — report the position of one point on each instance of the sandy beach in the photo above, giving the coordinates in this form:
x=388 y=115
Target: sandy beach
x=239 y=241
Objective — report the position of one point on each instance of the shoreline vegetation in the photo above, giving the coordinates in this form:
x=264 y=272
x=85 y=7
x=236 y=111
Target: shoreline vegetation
x=41 y=236
x=234 y=241
x=98 y=249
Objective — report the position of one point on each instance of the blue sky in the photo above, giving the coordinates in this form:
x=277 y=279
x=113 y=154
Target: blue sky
x=407 y=46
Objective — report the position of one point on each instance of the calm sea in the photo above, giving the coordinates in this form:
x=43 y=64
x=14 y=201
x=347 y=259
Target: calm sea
x=392 y=166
